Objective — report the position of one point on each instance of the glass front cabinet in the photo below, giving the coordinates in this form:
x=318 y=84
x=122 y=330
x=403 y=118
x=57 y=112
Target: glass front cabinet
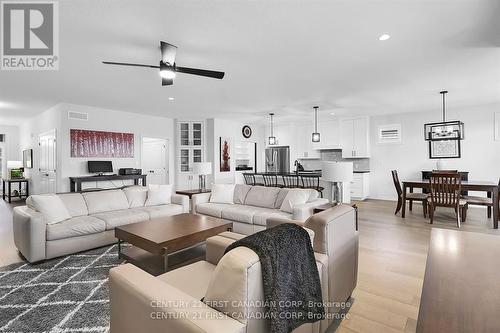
x=191 y=144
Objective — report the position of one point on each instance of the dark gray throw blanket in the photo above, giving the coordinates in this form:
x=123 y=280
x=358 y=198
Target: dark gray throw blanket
x=292 y=289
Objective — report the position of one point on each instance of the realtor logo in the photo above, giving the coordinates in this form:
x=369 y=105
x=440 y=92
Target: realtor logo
x=30 y=35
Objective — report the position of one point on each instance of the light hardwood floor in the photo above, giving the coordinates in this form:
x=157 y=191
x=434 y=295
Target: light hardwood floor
x=392 y=256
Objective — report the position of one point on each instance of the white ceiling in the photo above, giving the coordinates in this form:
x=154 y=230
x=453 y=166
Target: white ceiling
x=281 y=56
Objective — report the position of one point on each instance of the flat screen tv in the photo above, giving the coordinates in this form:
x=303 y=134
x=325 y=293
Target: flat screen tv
x=100 y=167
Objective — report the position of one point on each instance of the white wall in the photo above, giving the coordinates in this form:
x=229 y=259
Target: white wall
x=217 y=128
x=480 y=152
x=12 y=150
x=99 y=119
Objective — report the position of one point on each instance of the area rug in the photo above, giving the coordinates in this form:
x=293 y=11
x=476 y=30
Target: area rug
x=68 y=294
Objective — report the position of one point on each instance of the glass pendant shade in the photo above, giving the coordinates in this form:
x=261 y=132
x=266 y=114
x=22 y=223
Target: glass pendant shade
x=272 y=138
x=316 y=136
x=444 y=130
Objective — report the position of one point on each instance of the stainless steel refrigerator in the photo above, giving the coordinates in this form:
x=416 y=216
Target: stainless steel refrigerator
x=278 y=159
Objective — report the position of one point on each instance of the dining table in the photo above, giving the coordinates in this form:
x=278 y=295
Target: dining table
x=490 y=187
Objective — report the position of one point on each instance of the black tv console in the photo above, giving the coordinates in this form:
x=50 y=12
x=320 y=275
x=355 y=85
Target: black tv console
x=76 y=182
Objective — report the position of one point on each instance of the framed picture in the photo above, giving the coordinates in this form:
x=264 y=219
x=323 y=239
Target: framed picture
x=88 y=143
x=444 y=149
x=225 y=154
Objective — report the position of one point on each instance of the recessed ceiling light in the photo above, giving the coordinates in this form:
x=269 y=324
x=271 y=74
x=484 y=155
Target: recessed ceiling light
x=332 y=113
x=384 y=37
x=171 y=98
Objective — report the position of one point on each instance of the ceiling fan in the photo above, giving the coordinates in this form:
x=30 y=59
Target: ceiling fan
x=168 y=68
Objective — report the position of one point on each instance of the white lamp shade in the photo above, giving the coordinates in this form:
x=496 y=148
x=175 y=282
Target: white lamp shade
x=341 y=172
x=14 y=164
x=202 y=168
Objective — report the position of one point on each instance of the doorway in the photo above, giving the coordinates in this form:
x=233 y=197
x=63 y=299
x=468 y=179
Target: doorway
x=154 y=160
x=47 y=161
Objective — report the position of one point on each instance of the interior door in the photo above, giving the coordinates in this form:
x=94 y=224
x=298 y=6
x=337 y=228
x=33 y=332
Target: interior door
x=47 y=161
x=155 y=160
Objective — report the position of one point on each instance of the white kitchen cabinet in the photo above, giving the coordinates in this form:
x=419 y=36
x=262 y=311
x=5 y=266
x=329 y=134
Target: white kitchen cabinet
x=355 y=137
x=329 y=135
x=360 y=186
x=305 y=149
x=190 y=133
x=191 y=149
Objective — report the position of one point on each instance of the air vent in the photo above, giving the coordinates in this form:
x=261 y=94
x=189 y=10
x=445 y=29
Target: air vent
x=78 y=115
x=389 y=134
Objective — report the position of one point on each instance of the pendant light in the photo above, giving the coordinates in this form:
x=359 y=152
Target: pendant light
x=316 y=136
x=444 y=130
x=272 y=138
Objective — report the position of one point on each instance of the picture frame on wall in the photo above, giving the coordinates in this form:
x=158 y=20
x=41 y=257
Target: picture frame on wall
x=224 y=154
x=444 y=149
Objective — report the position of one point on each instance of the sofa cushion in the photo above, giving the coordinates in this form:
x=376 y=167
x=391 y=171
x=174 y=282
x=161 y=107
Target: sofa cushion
x=75 y=204
x=75 y=226
x=162 y=210
x=239 y=213
x=211 y=209
x=50 y=206
x=260 y=217
x=121 y=217
x=136 y=196
x=159 y=195
x=105 y=201
x=261 y=196
x=188 y=279
x=293 y=198
x=222 y=193
x=240 y=193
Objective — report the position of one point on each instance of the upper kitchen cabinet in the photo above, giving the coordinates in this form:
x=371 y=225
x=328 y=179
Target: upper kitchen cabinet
x=305 y=146
x=355 y=137
x=329 y=135
x=190 y=133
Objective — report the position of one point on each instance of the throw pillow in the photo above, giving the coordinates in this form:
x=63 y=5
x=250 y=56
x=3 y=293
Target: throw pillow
x=136 y=196
x=159 y=195
x=50 y=206
x=293 y=198
x=222 y=193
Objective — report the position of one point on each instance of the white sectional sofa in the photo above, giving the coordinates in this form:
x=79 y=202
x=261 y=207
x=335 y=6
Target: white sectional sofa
x=88 y=220
x=251 y=206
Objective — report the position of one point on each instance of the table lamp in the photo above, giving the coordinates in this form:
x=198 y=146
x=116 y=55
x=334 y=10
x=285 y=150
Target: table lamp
x=337 y=173
x=202 y=169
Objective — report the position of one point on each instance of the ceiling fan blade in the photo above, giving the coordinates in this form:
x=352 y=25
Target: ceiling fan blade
x=166 y=82
x=128 y=64
x=168 y=52
x=200 y=72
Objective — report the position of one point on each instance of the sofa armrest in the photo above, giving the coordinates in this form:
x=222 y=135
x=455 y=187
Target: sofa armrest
x=29 y=228
x=302 y=212
x=183 y=200
x=141 y=302
x=199 y=199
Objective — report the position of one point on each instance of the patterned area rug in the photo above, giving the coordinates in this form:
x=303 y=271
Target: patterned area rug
x=68 y=294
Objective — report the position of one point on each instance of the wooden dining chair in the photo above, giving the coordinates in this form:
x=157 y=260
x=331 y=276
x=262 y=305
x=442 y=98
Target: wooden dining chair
x=312 y=182
x=410 y=197
x=290 y=181
x=250 y=179
x=271 y=180
x=445 y=190
x=482 y=201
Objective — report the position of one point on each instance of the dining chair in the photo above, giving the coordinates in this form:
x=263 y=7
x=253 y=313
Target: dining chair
x=410 y=197
x=445 y=190
x=271 y=180
x=312 y=182
x=481 y=201
x=250 y=179
x=290 y=181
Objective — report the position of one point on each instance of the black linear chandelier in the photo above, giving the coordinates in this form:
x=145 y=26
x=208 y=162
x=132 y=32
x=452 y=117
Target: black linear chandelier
x=444 y=130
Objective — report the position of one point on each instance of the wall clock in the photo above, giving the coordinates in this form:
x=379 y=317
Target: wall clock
x=247 y=131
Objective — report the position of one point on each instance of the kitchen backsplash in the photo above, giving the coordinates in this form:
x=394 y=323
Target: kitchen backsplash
x=360 y=164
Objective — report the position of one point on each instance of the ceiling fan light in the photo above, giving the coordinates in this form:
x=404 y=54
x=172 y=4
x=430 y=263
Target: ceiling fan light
x=167 y=74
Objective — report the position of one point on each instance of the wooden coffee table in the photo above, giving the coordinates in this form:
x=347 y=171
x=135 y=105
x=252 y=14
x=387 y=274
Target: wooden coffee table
x=155 y=240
